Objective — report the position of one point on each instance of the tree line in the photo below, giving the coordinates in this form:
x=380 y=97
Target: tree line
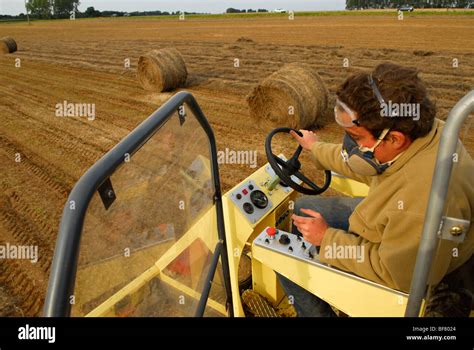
x=51 y=8
x=387 y=4
x=48 y=9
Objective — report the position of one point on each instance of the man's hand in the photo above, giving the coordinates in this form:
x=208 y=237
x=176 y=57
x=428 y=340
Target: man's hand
x=307 y=140
x=312 y=228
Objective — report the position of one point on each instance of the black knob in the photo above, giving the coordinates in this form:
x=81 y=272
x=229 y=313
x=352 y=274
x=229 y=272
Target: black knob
x=251 y=187
x=259 y=199
x=267 y=241
x=290 y=249
x=239 y=196
x=284 y=239
x=303 y=245
x=312 y=251
x=248 y=208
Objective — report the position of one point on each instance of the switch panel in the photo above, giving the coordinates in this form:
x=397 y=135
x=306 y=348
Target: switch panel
x=252 y=202
x=288 y=244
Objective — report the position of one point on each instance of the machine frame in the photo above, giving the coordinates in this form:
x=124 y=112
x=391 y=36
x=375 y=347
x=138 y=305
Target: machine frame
x=235 y=234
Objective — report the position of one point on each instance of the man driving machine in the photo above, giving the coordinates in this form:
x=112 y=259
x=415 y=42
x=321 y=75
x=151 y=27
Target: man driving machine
x=391 y=139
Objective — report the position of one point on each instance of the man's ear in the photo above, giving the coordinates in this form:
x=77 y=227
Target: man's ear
x=398 y=139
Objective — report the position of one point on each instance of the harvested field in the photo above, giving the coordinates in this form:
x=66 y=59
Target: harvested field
x=84 y=61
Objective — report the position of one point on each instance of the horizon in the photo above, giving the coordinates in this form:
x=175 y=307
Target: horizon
x=15 y=7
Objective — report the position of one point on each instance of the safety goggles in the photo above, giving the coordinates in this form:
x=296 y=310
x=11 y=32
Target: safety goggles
x=379 y=96
x=376 y=90
x=345 y=116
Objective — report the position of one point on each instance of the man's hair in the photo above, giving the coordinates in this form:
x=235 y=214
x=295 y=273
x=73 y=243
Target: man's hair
x=396 y=84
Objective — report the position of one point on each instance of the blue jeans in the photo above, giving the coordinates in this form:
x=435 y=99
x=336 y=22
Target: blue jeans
x=336 y=212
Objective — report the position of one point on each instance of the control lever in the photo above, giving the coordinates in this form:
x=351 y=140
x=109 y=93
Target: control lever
x=272 y=183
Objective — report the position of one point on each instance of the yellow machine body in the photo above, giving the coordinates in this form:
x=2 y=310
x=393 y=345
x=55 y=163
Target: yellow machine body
x=365 y=298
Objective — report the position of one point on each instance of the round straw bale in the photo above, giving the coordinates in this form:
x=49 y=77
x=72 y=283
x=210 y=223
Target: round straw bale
x=162 y=70
x=8 y=45
x=294 y=96
x=4 y=47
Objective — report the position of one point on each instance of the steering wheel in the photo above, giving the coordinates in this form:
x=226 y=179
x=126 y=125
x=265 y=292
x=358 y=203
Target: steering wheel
x=285 y=169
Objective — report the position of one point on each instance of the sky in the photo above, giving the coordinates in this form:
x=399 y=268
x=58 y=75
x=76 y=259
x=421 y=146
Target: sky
x=14 y=7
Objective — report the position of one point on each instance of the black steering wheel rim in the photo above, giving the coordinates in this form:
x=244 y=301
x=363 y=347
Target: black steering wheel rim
x=286 y=169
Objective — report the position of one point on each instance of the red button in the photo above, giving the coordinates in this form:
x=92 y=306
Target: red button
x=245 y=192
x=271 y=231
